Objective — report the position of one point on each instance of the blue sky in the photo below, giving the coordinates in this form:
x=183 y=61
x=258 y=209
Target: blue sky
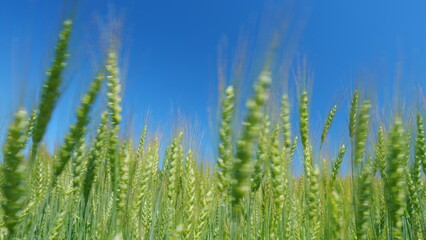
x=170 y=52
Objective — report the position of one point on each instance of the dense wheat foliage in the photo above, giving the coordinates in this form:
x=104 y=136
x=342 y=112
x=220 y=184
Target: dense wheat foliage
x=103 y=187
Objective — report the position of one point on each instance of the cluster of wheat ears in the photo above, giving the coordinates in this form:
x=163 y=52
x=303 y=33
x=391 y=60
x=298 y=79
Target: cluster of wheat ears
x=106 y=189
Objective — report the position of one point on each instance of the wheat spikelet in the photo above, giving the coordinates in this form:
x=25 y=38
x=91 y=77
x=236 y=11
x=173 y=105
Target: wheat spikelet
x=363 y=208
x=262 y=160
x=304 y=119
x=50 y=92
x=395 y=178
x=95 y=156
x=420 y=156
x=381 y=152
x=277 y=175
x=114 y=100
x=77 y=131
x=243 y=164
x=362 y=132
x=328 y=124
x=190 y=193
x=225 y=145
x=337 y=163
x=353 y=114
x=286 y=123
x=13 y=178
x=123 y=184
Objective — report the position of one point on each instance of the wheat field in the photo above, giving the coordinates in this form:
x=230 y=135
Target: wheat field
x=105 y=188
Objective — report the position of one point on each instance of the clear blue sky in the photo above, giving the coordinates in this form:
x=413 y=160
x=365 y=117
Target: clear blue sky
x=171 y=51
